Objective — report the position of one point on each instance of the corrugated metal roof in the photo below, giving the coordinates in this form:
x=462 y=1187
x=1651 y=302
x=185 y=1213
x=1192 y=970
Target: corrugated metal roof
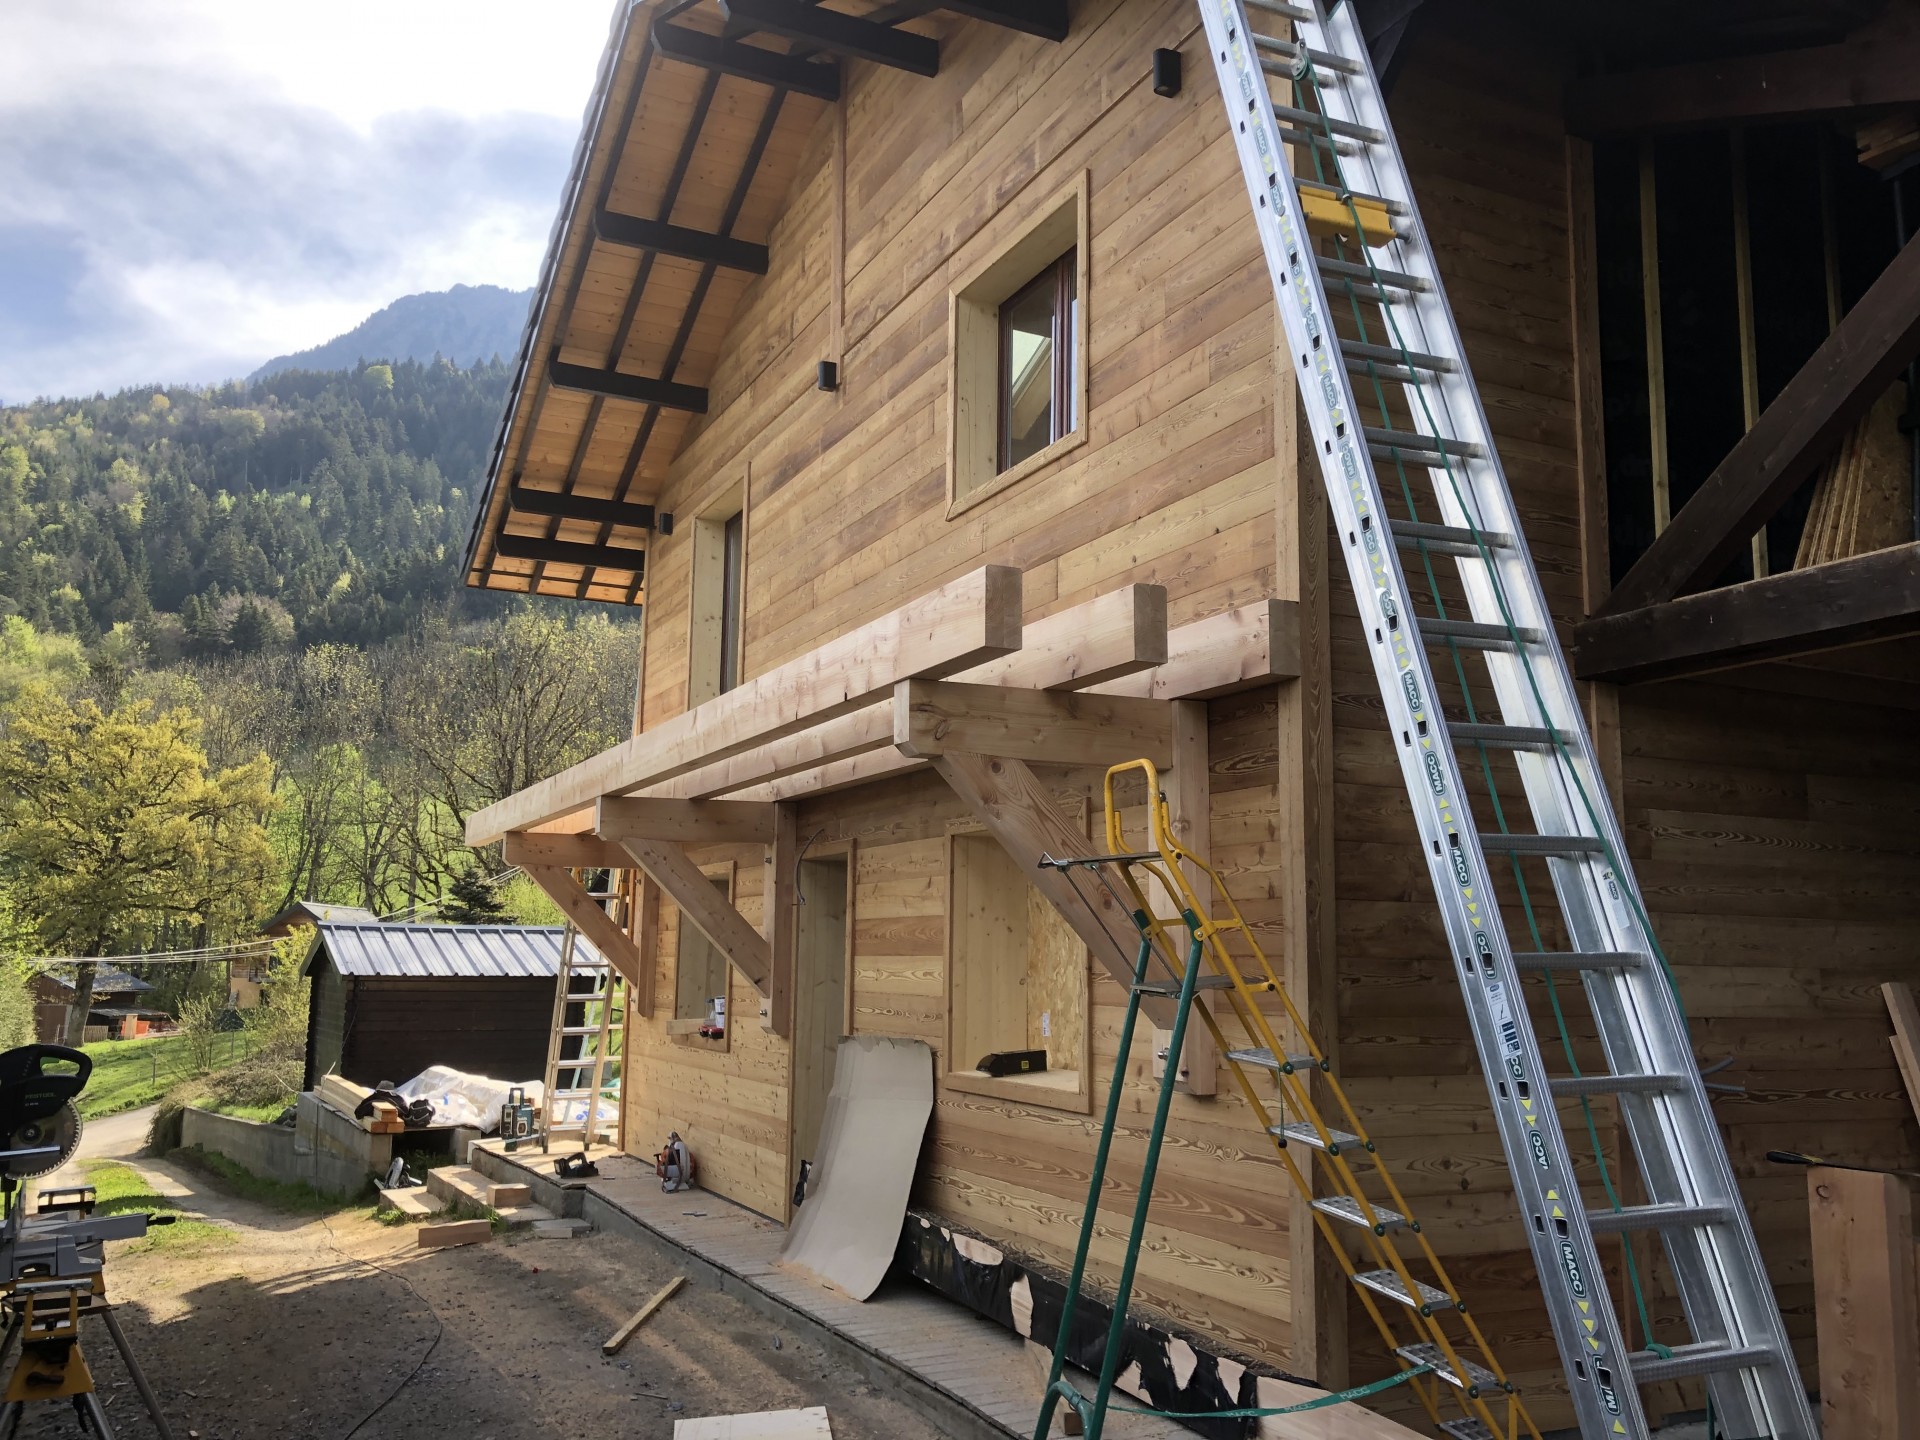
x=482 y=952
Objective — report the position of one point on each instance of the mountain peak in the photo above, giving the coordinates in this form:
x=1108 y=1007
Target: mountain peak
x=466 y=324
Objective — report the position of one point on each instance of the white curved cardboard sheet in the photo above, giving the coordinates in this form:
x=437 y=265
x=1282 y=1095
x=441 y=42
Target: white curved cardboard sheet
x=847 y=1230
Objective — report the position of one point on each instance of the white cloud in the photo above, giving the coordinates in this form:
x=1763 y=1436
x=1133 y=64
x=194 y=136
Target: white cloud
x=195 y=186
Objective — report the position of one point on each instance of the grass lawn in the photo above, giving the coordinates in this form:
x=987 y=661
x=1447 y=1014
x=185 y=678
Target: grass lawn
x=131 y=1073
x=119 y=1189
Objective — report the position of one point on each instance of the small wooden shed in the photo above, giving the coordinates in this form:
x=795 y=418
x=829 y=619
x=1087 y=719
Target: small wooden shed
x=391 y=1000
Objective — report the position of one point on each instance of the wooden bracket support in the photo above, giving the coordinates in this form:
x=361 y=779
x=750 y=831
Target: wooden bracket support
x=593 y=922
x=668 y=866
x=1016 y=809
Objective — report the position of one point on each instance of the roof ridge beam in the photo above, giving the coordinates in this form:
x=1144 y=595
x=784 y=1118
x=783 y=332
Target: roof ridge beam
x=746 y=62
x=848 y=35
x=618 y=385
x=632 y=232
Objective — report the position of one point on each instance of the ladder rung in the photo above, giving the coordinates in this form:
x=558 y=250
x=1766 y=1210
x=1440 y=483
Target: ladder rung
x=1656 y=1217
x=1703 y=1359
x=1569 y=1087
x=1282 y=9
x=1505 y=844
x=1339 y=64
x=1346 y=1208
x=1447 y=539
x=1385 y=1282
x=1363 y=133
x=1291 y=136
x=1172 y=987
x=1578 y=960
x=1423 y=445
x=581 y=1029
x=1468 y=1428
x=1512 y=737
x=1264 y=1058
x=1394 y=355
x=1427 y=1353
x=1304 y=1132
x=1372 y=274
x=1478 y=636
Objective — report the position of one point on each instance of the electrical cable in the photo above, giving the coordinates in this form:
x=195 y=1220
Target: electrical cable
x=439 y=1333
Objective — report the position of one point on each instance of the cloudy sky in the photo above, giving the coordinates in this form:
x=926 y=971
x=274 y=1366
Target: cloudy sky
x=189 y=187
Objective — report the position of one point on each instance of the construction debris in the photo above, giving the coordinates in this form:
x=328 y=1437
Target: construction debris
x=767 y=1425
x=641 y=1316
x=454 y=1232
x=560 y=1229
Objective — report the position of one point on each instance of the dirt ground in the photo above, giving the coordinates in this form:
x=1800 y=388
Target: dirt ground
x=339 y=1328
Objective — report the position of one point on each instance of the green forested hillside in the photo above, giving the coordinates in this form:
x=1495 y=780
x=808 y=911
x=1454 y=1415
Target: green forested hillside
x=467 y=324
x=238 y=666
x=306 y=507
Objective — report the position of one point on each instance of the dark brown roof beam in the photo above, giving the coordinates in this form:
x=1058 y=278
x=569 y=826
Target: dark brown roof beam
x=1876 y=65
x=564 y=506
x=748 y=62
x=616 y=385
x=1798 y=612
x=569 y=552
x=848 y=35
x=1045 y=18
x=635 y=233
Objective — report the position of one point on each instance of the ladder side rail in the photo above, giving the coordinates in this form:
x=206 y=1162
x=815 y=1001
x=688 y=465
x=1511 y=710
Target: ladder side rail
x=1529 y=1129
x=1642 y=1027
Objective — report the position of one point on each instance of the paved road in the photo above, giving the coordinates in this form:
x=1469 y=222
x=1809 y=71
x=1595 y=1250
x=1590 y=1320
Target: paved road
x=112 y=1137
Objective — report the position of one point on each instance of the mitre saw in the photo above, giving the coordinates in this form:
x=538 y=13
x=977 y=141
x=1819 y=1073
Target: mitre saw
x=52 y=1262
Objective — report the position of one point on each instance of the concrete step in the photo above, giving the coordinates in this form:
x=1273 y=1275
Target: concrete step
x=519 y=1217
x=458 y=1185
x=416 y=1202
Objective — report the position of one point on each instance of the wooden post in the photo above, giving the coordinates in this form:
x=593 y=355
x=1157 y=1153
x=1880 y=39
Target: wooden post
x=1865 y=1304
x=778 y=919
x=1656 y=349
x=1743 y=300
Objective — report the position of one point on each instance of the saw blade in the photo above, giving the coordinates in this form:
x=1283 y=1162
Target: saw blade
x=61 y=1128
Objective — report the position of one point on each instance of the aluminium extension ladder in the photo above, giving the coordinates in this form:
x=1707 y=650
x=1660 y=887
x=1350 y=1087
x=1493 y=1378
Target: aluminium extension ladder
x=1387 y=391
x=586 y=1047
x=1277 y=1067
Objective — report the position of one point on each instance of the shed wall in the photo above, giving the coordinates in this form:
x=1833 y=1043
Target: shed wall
x=394 y=1029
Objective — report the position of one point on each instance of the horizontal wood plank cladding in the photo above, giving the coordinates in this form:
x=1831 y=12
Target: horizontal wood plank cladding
x=395 y=1028
x=846 y=489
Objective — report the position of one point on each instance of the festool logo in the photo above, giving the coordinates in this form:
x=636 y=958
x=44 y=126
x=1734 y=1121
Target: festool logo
x=1571 y=1264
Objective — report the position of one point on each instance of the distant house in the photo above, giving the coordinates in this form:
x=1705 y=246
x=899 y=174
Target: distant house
x=115 y=1001
x=391 y=1000
x=247 y=978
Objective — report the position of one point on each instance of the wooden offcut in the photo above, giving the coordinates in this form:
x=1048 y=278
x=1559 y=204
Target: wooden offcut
x=640 y=1317
x=454 y=1232
x=1865 y=1303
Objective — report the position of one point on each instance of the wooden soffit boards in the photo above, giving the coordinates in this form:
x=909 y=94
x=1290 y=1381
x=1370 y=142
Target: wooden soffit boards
x=671 y=152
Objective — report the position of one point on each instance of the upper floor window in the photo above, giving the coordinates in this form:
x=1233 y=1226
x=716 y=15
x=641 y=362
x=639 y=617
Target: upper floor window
x=1037 y=401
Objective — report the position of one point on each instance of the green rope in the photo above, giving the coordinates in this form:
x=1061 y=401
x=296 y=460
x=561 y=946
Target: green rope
x=1309 y=74
x=1338 y=1397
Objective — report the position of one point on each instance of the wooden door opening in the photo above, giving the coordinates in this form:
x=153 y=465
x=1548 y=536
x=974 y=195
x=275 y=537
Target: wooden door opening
x=819 y=996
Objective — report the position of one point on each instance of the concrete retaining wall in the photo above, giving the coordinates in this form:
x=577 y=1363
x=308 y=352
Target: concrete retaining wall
x=324 y=1149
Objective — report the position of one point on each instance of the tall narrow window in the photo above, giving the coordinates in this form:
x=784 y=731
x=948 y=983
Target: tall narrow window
x=732 y=552
x=1037 y=328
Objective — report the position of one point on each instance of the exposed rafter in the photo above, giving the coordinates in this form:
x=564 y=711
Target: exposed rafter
x=1801 y=428
x=1045 y=18
x=847 y=35
x=561 y=505
x=637 y=234
x=748 y=62
x=617 y=385
x=569 y=552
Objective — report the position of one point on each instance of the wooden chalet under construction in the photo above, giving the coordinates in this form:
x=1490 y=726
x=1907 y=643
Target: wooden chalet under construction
x=916 y=369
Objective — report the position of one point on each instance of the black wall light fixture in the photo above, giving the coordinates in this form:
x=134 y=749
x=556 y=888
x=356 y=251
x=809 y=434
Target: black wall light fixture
x=828 y=376
x=1166 y=72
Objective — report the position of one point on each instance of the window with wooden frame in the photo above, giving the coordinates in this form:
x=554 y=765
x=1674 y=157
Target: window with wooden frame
x=719 y=587
x=1016 y=982
x=1018 y=332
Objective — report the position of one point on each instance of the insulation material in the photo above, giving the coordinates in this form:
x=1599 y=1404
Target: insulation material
x=1864 y=500
x=767 y=1425
x=877 y=1113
